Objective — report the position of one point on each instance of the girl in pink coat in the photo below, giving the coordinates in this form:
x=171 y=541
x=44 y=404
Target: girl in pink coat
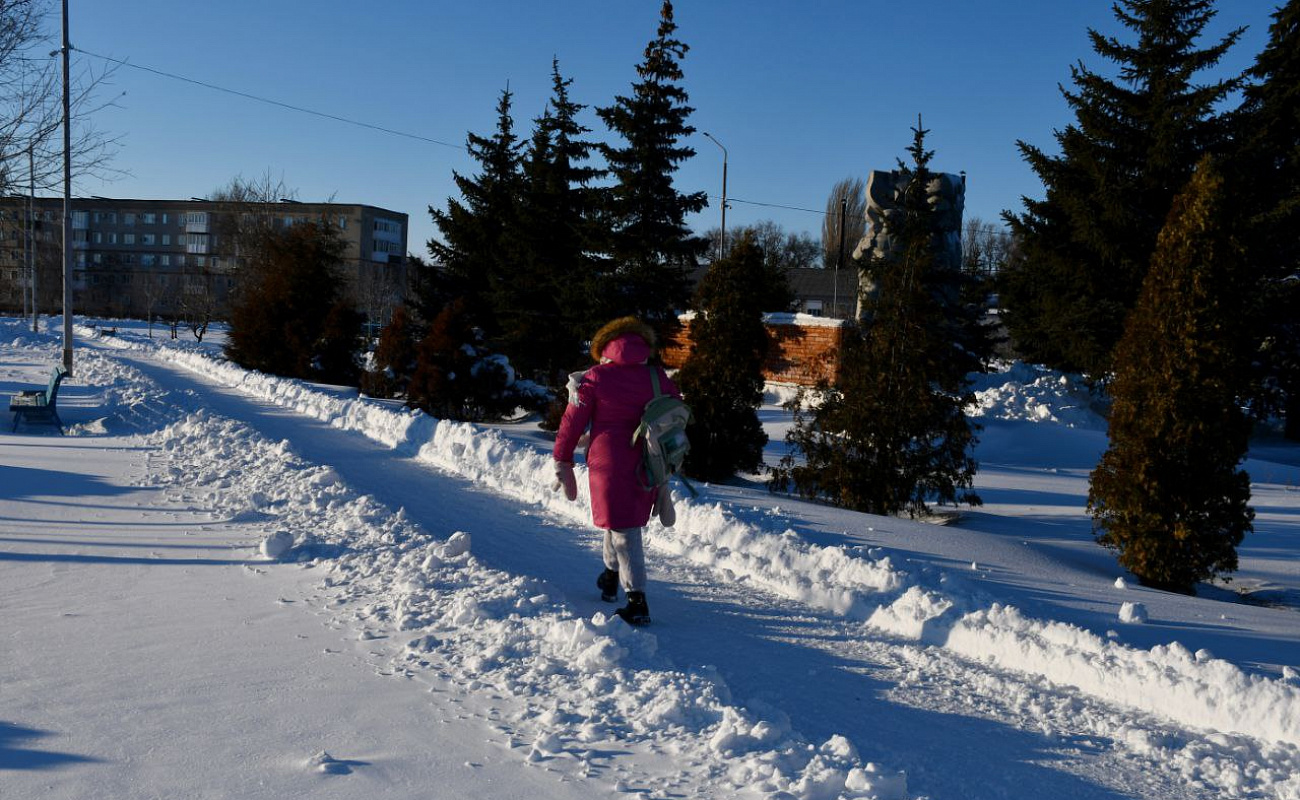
x=610 y=399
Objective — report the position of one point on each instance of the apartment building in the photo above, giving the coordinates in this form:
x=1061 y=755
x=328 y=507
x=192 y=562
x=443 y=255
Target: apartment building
x=176 y=258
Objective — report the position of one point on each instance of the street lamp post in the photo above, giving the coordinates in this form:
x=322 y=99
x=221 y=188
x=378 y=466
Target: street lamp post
x=722 y=239
x=67 y=204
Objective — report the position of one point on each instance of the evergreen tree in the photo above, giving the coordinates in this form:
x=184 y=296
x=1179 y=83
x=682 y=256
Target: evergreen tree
x=1268 y=184
x=1086 y=245
x=1168 y=494
x=651 y=248
x=476 y=228
x=546 y=303
x=290 y=283
x=335 y=351
x=891 y=434
x=722 y=379
x=395 y=356
x=453 y=379
x=782 y=251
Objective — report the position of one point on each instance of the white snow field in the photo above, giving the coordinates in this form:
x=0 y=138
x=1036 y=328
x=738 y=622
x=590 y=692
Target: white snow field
x=225 y=584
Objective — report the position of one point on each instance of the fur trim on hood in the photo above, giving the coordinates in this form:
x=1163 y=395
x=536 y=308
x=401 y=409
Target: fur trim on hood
x=616 y=328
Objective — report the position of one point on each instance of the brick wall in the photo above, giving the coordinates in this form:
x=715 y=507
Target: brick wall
x=806 y=348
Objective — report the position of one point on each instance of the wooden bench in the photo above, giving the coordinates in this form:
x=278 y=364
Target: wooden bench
x=39 y=405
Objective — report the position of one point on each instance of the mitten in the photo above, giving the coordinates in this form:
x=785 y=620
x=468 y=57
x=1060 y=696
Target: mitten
x=664 y=506
x=564 y=480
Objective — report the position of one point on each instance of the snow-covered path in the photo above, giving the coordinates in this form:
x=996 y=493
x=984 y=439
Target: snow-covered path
x=151 y=620
x=735 y=676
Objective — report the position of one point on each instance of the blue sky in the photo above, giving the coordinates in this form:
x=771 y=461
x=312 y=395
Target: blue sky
x=802 y=94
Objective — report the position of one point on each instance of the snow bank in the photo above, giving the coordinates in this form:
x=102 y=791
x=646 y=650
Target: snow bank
x=1018 y=391
x=1169 y=681
x=1202 y=692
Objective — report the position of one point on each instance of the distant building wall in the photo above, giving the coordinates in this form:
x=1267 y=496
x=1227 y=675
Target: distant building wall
x=133 y=257
x=806 y=348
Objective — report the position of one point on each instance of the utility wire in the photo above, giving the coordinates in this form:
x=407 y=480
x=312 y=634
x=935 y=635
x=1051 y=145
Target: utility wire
x=269 y=101
x=358 y=123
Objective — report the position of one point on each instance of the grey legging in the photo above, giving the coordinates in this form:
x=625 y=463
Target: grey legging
x=625 y=553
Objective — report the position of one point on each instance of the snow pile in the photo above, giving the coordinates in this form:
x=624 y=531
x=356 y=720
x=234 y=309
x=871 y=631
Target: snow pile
x=1018 y=391
x=1195 y=689
x=582 y=684
x=1133 y=613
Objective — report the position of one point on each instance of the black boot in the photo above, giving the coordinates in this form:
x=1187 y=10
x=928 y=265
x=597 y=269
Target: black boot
x=636 y=612
x=607 y=582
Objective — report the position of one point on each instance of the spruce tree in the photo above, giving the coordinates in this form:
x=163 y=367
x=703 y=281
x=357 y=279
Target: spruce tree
x=1168 y=494
x=546 y=302
x=290 y=283
x=891 y=435
x=1267 y=182
x=337 y=347
x=1086 y=245
x=652 y=250
x=395 y=356
x=476 y=228
x=452 y=379
x=722 y=379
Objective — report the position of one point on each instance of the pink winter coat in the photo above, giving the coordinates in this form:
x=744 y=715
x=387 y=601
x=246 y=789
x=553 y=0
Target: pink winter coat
x=611 y=397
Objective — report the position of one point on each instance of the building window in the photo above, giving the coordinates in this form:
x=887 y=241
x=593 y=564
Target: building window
x=813 y=307
x=112 y=238
x=150 y=219
x=343 y=223
x=128 y=238
x=180 y=261
x=148 y=238
x=148 y=260
x=128 y=218
x=164 y=260
x=98 y=237
x=98 y=258
x=98 y=216
x=164 y=218
x=166 y=237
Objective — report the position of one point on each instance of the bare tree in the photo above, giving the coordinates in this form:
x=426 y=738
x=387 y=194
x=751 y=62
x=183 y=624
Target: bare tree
x=848 y=200
x=201 y=299
x=245 y=211
x=31 y=109
x=781 y=248
x=151 y=291
x=985 y=247
x=377 y=290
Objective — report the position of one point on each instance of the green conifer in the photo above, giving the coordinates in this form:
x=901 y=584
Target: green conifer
x=1267 y=183
x=1086 y=246
x=891 y=435
x=395 y=356
x=1168 y=494
x=290 y=283
x=651 y=248
x=476 y=228
x=546 y=302
x=722 y=379
x=453 y=379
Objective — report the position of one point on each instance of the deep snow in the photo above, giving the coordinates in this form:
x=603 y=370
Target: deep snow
x=798 y=651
